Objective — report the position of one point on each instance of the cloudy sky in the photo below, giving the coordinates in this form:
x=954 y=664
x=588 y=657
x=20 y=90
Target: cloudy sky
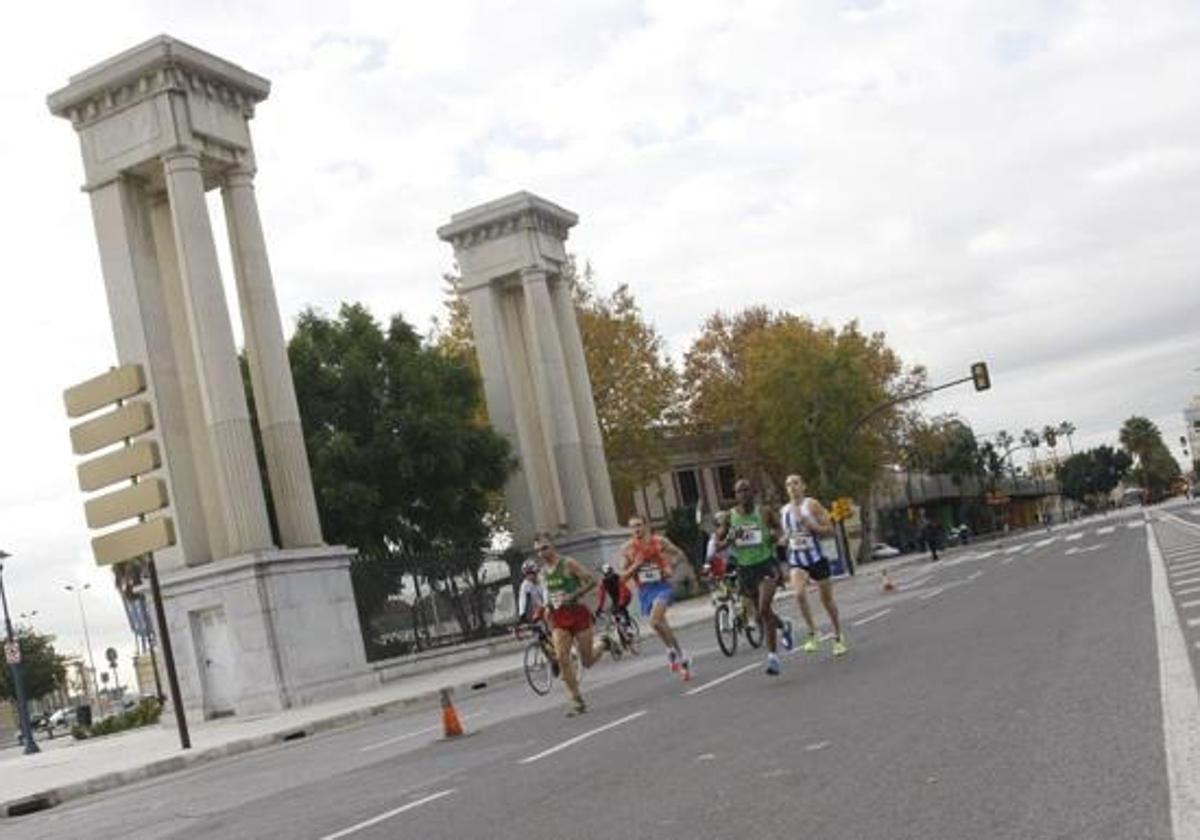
x=1017 y=182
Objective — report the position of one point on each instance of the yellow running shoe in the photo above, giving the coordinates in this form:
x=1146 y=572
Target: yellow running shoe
x=839 y=647
x=811 y=645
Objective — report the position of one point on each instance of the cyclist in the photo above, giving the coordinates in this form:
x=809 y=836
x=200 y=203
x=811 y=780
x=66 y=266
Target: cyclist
x=716 y=557
x=616 y=592
x=651 y=559
x=752 y=533
x=566 y=580
x=529 y=598
x=804 y=521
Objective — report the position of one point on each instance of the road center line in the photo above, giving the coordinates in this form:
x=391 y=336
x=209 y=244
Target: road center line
x=720 y=680
x=570 y=742
x=387 y=815
x=1180 y=704
x=932 y=593
x=870 y=618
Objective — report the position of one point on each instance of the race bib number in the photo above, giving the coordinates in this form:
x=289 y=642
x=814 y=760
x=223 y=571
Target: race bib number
x=747 y=537
x=800 y=542
x=649 y=574
x=557 y=599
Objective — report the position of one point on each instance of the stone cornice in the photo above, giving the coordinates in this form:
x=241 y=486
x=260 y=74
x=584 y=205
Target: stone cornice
x=506 y=216
x=162 y=63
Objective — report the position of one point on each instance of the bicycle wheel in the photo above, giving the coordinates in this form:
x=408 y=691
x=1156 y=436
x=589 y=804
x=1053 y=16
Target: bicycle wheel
x=754 y=633
x=537 y=669
x=631 y=636
x=727 y=638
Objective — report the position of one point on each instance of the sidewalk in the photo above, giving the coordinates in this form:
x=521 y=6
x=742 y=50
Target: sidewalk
x=79 y=768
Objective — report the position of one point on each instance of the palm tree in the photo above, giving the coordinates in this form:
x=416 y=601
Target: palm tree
x=1050 y=435
x=1004 y=443
x=1066 y=429
x=1138 y=437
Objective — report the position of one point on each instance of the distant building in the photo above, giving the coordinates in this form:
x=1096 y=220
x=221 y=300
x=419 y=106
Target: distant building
x=1191 y=419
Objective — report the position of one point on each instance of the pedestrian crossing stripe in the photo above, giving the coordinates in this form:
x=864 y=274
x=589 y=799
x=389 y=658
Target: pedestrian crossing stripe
x=1075 y=536
x=1106 y=530
x=1133 y=525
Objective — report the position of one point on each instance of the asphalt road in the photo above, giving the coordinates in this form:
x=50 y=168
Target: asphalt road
x=1008 y=691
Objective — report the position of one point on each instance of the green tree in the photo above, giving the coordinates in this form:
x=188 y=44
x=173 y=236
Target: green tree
x=794 y=391
x=1155 y=467
x=45 y=668
x=945 y=445
x=1088 y=477
x=402 y=465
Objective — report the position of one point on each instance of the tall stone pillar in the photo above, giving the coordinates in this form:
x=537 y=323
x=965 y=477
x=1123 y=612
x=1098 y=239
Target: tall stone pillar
x=243 y=508
x=512 y=256
x=270 y=372
x=556 y=406
x=256 y=628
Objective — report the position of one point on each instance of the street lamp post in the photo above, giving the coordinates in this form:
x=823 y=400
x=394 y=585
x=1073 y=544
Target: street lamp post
x=87 y=641
x=16 y=668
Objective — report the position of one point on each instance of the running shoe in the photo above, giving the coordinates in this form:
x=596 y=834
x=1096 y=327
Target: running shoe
x=772 y=665
x=788 y=638
x=577 y=708
x=673 y=661
x=685 y=668
x=839 y=646
x=811 y=644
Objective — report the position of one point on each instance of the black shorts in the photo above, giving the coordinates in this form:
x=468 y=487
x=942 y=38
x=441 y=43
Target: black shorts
x=749 y=577
x=816 y=570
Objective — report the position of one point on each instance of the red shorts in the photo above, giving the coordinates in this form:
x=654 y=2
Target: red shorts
x=574 y=618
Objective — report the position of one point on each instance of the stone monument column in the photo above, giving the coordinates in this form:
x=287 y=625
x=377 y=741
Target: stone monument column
x=239 y=486
x=270 y=372
x=512 y=256
x=257 y=628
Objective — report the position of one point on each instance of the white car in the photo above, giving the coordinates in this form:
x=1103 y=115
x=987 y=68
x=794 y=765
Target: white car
x=881 y=551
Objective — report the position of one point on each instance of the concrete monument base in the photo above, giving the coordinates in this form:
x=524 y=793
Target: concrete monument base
x=594 y=548
x=265 y=631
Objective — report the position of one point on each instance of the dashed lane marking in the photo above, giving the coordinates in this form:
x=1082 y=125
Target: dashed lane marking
x=1189 y=605
x=932 y=593
x=870 y=618
x=1187 y=581
x=1193 y=622
x=378 y=745
x=1045 y=542
x=1073 y=537
x=570 y=742
x=1193 y=590
x=1014 y=549
x=719 y=680
x=1133 y=525
x=1108 y=529
x=819 y=745
x=387 y=815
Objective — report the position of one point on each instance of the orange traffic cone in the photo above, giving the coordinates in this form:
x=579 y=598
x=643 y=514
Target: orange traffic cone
x=451 y=725
x=888 y=586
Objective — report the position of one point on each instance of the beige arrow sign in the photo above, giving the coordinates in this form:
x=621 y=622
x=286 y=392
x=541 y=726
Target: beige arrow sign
x=134 y=541
x=118 y=384
x=129 y=420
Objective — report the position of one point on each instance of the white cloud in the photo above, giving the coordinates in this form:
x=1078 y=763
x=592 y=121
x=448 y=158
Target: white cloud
x=1015 y=182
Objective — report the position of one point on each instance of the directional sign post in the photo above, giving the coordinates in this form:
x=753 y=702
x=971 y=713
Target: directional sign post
x=139 y=506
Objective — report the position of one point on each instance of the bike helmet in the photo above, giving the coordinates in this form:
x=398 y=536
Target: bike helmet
x=529 y=567
x=606 y=569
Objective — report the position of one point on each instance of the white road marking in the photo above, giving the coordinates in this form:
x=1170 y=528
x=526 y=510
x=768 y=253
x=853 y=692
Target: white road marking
x=1180 y=704
x=870 y=618
x=570 y=742
x=1045 y=542
x=1189 y=605
x=1189 y=591
x=819 y=745
x=1194 y=622
x=720 y=680
x=1108 y=529
x=1007 y=560
x=1078 y=535
x=387 y=815
x=706 y=757
x=974 y=576
x=1183 y=568
x=1186 y=581
x=987 y=554
x=1015 y=548
x=378 y=745
x=932 y=593
x=1133 y=525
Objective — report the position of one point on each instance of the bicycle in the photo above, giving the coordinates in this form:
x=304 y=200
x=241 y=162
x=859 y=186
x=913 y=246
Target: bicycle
x=541 y=662
x=622 y=627
x=732 y=617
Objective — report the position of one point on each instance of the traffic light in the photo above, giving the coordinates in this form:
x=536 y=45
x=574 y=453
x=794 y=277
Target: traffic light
x=979 y=373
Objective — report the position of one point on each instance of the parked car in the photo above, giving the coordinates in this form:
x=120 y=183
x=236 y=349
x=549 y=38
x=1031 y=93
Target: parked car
x=959 y=535
x=881 y=551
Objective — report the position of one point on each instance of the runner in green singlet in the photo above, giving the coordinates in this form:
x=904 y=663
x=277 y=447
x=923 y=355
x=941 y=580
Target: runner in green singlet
x=751 y=534
x=566 y=580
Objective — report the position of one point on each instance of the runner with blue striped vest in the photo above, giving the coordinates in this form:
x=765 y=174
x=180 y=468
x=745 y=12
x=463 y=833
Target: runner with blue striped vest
x=805 y=521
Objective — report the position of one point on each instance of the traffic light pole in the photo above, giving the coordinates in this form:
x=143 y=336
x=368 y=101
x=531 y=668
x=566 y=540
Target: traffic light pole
x=17 y=672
